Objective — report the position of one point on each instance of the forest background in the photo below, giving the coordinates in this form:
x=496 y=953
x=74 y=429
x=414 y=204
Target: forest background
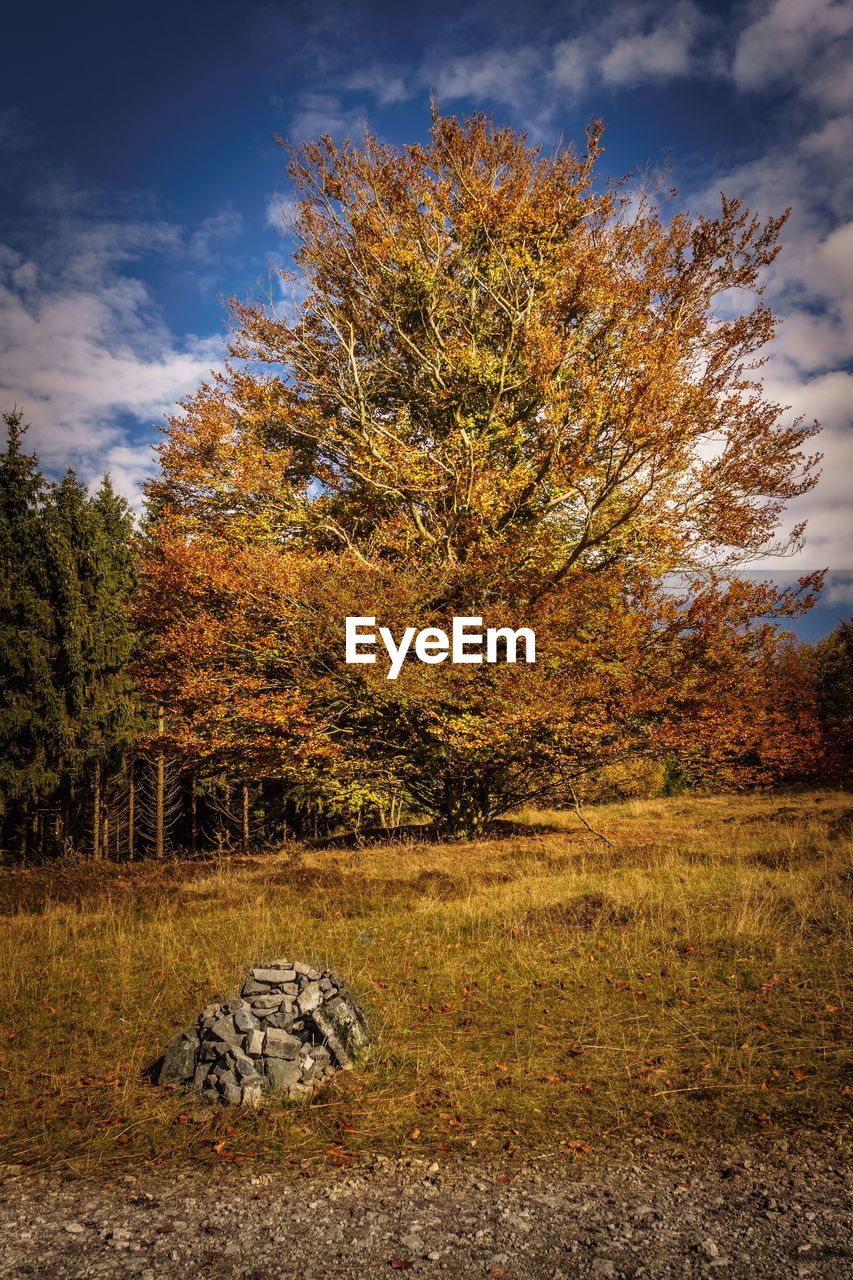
x=502 y=386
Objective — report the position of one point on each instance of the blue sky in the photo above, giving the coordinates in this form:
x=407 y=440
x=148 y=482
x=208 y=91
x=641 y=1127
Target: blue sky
x=141 y=179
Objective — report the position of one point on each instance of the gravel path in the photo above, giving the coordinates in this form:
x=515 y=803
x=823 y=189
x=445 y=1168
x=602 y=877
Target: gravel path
x=773 y=1213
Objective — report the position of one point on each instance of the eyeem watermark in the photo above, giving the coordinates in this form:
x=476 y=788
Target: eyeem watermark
x=467 y=643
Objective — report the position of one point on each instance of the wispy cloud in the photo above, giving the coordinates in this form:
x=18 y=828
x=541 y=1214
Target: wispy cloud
x=86 y=352
x=806 y=43
x=324 y=113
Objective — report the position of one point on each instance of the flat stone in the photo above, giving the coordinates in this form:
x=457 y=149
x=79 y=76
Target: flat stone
x=310 y=999
x=283 y=1075
x=223 y=1029
x=278 y=1044
x=231 y=1093
x=273 y=976
x=282 y=1019
x=268 y=1001
x=255 y=1044
x=251 y=988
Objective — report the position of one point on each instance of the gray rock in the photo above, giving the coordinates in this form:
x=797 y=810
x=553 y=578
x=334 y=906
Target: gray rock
x=244 y=1046
x=310 y=999
x=244 y=1020
x=283 y=1075
x=243 y=1066
x=262 y=1004
x=251 y=987
x=342 y=1025
x=273 y=976
x=223 y=1029
x=279 y=1044
x=179 y=1060
x=282 y=1019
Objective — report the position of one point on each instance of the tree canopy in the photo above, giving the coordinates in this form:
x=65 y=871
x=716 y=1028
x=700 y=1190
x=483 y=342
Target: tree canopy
x=499 y=387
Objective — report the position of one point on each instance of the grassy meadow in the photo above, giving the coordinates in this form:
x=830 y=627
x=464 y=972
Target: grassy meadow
x=532 y=993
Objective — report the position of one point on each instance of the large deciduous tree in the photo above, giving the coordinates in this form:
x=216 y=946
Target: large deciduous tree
x=496 y=387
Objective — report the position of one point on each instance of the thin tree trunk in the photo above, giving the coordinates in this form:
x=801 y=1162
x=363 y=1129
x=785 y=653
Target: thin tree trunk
x=118 y=833
x=96 y=816
x=245 y=841
x=161 y=787
x=106 y=833
x=131 y=816
x=193 y=816
x=22 y=840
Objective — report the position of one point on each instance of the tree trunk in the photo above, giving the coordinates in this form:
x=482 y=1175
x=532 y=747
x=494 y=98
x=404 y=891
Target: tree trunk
x=23 y=832
x=159 y=834
x=106 y=833
x=245 y=835
x=96 y=816
x=131 y=815
x=465 y=808
x=193 y=816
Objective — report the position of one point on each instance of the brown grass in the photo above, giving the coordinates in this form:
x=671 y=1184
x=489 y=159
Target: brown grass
x=532 y=993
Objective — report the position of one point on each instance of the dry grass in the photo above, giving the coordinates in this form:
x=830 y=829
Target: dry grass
x=527 y=992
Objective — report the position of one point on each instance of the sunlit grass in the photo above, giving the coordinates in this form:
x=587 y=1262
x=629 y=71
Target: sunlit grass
x=526 y=992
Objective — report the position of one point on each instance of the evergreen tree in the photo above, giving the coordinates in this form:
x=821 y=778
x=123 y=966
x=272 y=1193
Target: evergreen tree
x=93 y=578
x=32 y=720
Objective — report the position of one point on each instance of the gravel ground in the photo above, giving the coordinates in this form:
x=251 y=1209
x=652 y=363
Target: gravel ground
x=754 y=1213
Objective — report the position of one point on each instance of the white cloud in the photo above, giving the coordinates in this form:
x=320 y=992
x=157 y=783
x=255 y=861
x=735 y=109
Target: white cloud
x=664 y=53
x=86 y=354
x=384 y=85
x=213 y=233
x=324 y=113
x=497 y=75
x=838 y=590
x=801 y=41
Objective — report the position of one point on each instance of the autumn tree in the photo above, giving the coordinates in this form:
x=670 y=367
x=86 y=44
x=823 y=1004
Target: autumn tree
x=501 y=388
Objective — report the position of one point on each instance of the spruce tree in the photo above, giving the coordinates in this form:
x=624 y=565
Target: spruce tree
x=33 y=725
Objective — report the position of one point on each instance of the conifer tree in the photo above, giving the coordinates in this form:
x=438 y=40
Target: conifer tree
x=32 y=722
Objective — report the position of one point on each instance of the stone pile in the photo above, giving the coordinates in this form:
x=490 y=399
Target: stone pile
x=289 y=1030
